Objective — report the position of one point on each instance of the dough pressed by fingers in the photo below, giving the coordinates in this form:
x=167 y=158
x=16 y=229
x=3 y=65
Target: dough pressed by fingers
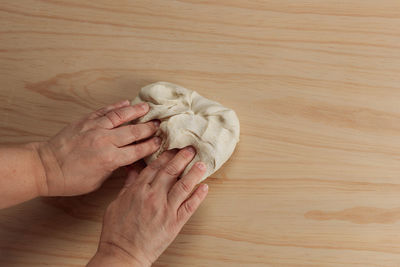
x=188 y=118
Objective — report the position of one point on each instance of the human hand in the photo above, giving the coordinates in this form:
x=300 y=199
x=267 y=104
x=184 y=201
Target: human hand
x=150 y=211
x=81 y=156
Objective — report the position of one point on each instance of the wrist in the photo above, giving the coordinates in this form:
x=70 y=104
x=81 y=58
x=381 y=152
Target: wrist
x=101 y=259
x=109 y=254
x=40 y=173
x=50 y=170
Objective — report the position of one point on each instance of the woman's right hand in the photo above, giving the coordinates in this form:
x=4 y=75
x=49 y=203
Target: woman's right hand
x=150 y=211
x=82 y=156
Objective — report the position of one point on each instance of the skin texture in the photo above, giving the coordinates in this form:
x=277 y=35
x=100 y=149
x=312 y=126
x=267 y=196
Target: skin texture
x=151 y=208
x=150 y=211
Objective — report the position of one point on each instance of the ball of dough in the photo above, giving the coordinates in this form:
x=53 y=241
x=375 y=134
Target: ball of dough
x=187 y=118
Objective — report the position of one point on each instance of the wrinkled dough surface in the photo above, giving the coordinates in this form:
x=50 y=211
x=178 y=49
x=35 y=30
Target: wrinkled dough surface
x=187 y=118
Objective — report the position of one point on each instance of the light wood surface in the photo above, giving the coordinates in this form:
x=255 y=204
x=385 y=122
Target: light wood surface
x=315 y=180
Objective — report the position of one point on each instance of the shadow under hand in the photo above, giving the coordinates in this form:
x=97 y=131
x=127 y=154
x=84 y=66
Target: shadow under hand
x=91 y=206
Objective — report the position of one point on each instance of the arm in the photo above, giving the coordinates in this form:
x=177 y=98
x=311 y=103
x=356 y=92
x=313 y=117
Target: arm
x=79 y=158
x=21 y=174
x=150 y=211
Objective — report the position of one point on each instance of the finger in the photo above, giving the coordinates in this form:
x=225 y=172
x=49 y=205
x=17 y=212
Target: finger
x=167 y=176
x=188 y=207
x=128 y=134
x=129 y=154
x=182 y=188
x=101 y=112
x=116 y=117
x=148 y=174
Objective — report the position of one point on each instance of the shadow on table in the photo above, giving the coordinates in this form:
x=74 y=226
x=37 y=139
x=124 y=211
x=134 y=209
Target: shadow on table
x=50 y=231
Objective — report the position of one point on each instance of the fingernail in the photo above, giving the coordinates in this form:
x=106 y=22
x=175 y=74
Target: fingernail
x=201 y=166
x=156 y=123
x=125 y=102
x=205 y=187
x=157 y=140
x=191 y=150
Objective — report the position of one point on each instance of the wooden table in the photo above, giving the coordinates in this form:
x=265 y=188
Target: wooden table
x=315 y=179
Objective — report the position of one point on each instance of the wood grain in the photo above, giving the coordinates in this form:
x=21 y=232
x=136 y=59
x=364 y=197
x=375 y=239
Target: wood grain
x=315 y=180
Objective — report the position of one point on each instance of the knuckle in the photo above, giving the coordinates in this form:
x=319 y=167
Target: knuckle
x=183 y=155
x=135 y=132
x=115 y=117
x=100 y=112
x=186 y=153
x=153 y=147
x=188 y=207
x=172 y=169
x=154 y=165
x=84 y=125
x=138 y=190
x=119 y=114
x=185 y=187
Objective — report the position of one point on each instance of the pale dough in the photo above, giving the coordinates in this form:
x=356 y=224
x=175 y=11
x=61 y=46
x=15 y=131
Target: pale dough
x=187 y=118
